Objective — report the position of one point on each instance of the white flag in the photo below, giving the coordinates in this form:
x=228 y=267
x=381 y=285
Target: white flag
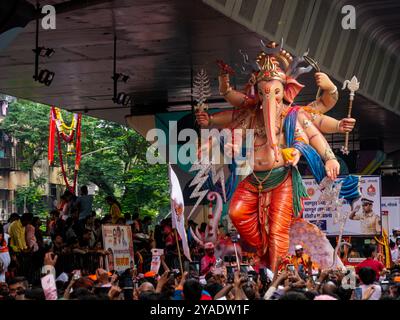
x=177 y=210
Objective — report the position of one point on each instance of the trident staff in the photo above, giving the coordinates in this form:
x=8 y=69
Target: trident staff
x=353 y=85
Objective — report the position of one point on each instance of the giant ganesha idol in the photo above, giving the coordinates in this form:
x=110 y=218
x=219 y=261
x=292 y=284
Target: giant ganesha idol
x=267 y=205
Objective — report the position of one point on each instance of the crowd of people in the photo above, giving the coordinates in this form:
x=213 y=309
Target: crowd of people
x=27 y=254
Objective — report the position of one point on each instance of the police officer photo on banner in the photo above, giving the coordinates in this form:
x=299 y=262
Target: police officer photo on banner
x=370 y=221
x=363 y=219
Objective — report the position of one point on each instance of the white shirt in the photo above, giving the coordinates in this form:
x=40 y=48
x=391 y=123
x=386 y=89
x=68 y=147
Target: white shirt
x=377 y=293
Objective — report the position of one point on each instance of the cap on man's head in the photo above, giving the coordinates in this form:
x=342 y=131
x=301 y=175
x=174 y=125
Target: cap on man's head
x=368 y=201
x=298 y=247
x=209 y=246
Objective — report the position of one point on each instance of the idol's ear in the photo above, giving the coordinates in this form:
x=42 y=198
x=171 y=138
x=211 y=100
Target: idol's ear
x=292 y=89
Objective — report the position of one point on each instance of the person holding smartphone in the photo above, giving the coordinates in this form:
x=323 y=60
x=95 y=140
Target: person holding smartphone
x=300 y=258
x=368 y=289
x=395 y=252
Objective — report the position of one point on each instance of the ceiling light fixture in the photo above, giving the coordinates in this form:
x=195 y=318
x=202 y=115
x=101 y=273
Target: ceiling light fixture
x=120 y=98
x=44 y=52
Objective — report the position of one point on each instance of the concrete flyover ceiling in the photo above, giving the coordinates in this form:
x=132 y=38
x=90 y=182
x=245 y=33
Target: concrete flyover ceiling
x=162 y=43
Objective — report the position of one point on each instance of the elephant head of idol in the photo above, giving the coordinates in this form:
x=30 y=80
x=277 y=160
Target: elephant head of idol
x=274 y=75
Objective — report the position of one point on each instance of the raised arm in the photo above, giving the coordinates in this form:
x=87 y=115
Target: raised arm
x=353 y=215
x=218 y=120
x=318 y=141
x=329 y=125
x=329 y=96
x=224 y=291
x=235 y=98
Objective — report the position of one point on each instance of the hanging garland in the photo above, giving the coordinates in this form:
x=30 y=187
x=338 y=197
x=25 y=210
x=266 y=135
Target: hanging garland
x=62 y=127
x=58 y=125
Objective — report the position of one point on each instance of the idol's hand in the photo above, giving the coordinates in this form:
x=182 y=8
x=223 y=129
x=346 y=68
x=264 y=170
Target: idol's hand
x=346 y=125
x=224 y=68
x=332 y=168
x=202 y=118
x=296 y=157
x=323 y=81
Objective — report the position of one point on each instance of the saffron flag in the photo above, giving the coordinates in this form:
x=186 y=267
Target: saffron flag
x=177 y=210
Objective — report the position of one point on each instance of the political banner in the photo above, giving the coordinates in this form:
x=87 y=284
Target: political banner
x=156 y=259
x=117 y=241
x=365 y=218
x=49 y=287
x=391 y=213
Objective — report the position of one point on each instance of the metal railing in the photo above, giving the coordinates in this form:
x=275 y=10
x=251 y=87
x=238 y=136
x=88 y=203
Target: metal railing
x=29 y=265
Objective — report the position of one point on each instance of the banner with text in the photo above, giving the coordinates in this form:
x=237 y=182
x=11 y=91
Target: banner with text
x=117 y=241
x=363 y=221
x=156 y=259
x=391 y=213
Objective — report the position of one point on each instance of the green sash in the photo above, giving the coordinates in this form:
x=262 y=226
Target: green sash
x=278 y=176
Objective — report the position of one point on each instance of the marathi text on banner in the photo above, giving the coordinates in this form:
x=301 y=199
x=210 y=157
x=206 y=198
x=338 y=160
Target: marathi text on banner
x=363 y=221
x=391 y=214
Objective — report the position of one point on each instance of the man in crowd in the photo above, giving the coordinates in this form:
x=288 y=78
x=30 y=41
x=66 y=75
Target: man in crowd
x=14 y=216
x=395 y=250
x=300 y=260
x=367 y=277
x=370 y=261
x=30 y=236
x=145 y=287
x=146 y=222
x=209 y=260
x=84 y=205
x=17 y=233
x=17 y=287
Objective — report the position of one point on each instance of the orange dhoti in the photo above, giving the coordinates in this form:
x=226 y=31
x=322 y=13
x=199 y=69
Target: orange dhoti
x=263 y=219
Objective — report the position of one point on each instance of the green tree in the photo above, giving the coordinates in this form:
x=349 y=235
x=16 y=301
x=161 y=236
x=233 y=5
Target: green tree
x=32 y=198
x=147 y=189
x=28 y=122
x=113 y=158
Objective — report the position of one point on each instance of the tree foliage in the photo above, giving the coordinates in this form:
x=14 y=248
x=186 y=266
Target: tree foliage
x=113 y=158
x=146 y=189
x=28 y=122
x=32 y=198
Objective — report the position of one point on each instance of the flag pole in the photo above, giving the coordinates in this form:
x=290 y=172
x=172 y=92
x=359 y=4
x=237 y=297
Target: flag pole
x=179 y=251
x=173 y=219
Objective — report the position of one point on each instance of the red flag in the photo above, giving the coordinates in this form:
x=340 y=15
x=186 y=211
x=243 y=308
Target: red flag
x=52 y=131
